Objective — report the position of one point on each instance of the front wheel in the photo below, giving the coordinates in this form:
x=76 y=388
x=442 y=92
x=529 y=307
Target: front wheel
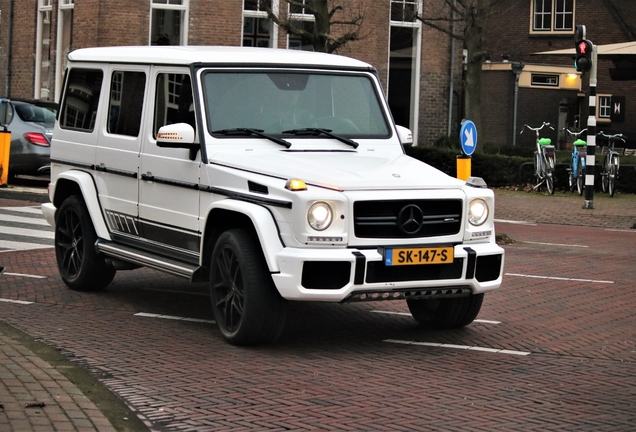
x=447 y=313
x=605 y=178
x=247 y=307
x=580 y=178
x=79 y=264
x=613 y=173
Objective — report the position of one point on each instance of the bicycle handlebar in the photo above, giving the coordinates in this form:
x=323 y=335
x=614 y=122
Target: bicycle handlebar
x=537 y=129
x=618 y=135
x=574 y=133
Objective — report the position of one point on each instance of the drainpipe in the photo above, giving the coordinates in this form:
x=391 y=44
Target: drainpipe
x=7 y=79
x=451 y=89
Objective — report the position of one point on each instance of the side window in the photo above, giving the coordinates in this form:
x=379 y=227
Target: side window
x=79 y=108
x=126 y=102
x=173 y=101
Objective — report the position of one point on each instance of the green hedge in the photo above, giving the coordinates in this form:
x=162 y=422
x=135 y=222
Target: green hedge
x=500 y=171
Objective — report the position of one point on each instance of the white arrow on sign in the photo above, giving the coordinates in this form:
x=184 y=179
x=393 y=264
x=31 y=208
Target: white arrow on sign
x=469 y=138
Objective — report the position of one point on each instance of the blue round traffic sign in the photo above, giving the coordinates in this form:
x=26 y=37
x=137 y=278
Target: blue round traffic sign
x=468 y=137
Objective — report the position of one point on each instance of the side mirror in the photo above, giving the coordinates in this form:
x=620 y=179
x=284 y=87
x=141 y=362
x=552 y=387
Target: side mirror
x=405 y=135
x=178 y=135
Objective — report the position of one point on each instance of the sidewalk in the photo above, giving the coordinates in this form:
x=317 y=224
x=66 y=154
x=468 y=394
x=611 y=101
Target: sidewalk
x=36 y=393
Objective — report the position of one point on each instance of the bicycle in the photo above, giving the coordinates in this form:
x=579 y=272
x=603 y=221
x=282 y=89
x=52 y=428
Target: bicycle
x=544 y=159
x=576 y=170
x=610 y=164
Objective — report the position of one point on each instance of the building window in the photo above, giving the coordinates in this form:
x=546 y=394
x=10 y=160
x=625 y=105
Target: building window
x=302 y=17
x=43 y=52
x=544 y=80
x=604 y=109
x=64 y=41
x=552 y=16
x=403 y=10
x=257 y=27
x=169 y=20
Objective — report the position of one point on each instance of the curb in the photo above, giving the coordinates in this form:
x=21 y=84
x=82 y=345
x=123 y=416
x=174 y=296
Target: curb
x=24 y=193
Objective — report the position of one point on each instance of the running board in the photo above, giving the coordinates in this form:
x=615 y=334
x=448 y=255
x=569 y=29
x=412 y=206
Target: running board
x=192 y=272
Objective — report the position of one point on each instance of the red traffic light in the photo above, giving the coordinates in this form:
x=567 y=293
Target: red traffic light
x=583 y=60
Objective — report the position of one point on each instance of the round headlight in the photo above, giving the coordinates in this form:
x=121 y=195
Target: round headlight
x=477 y=212
x=320 y=216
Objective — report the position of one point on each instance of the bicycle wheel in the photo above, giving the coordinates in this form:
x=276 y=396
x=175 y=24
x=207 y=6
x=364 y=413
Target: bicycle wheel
x=613 y=173
x=571 y=179
x=605 y=177
x=580 y=178
x=537 y=168
x=549 y=182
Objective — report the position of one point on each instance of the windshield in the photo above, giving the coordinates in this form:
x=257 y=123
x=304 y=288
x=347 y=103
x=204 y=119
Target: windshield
x=36 y=114
x=280 y=102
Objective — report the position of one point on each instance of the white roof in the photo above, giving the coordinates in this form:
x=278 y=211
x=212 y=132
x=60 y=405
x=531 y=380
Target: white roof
x=186 y=55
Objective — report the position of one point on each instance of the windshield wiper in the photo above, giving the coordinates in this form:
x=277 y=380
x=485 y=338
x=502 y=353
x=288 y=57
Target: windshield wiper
x=319 y=131
x=250 y=131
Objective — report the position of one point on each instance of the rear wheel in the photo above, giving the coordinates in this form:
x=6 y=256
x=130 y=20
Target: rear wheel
x=247 y=307
x=447 y=313
x=571 y=179
x=79 y=264
x=580 y=178
x=549 y=181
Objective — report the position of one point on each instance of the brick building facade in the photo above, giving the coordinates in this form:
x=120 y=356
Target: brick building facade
x=35 y=36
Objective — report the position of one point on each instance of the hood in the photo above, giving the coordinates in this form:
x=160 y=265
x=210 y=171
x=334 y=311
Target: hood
x=344 y=170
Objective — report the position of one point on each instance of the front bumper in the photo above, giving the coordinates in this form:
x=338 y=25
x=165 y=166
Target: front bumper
x=360 y=274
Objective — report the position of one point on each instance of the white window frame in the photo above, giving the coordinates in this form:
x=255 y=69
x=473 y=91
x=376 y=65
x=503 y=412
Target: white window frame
x=60 y=53
x=45 y=7
x=183 y=6
x=550 y=27
x=604 y=110
x=415 y=82
x=261 y=14
x=298 y=17
x=416 y=3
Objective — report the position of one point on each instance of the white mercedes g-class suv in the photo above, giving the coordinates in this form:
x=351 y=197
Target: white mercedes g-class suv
x=275 y=175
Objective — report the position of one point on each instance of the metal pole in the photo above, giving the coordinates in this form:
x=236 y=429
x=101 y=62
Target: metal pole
x=516 y=68
x=590 y=159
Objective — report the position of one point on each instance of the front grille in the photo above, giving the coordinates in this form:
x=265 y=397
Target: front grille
x=326 y=274
x=407 y=218
x=378 y=272
x=488 y=268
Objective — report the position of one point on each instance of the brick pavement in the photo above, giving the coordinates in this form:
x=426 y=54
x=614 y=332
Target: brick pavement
x=324 y=376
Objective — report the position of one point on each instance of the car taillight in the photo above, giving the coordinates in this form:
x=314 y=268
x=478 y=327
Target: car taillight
x=37 y=139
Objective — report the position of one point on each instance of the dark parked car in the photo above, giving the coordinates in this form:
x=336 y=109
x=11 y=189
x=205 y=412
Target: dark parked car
x=31 y=125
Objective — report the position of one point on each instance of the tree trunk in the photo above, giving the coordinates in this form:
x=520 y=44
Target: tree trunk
x=474 y=43
x=322 y=26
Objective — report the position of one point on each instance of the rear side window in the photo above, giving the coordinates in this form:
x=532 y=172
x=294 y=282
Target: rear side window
x=79 y=108
x=126 y=102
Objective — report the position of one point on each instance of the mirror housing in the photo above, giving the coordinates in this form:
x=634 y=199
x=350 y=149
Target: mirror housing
x=178 y=135
x=405 y=135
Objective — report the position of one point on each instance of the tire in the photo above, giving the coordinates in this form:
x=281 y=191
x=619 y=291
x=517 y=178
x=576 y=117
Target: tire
x=605 y=178
x=448 y=313
x=571 y=179
x=611 y=181
x=580 y=178
x=247 y=307
x=549 y=181
x=537 y=169
x=79 y=264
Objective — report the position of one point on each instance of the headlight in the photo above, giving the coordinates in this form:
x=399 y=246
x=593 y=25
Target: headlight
x=477 y=212
x=320 y=216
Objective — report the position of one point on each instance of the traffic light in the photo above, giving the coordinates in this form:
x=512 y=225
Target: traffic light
x=583 y=60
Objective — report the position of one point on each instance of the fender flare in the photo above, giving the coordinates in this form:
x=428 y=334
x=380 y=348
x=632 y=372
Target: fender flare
x=263 y=223
x=89 y=193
